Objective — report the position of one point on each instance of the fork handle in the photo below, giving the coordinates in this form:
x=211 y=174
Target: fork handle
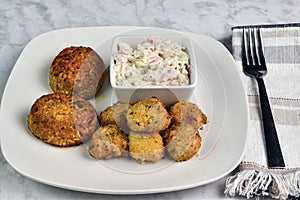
x=274 y=154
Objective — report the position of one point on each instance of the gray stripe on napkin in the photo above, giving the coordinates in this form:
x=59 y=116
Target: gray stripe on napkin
x=285 y=111
x=276 y=54
x=279 y=33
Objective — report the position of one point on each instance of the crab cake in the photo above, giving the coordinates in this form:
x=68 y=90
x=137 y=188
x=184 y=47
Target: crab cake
x=182 y=142
x=78 y=70
x=146 y=147
x=62 y=119
x=148 y=116
x=115 y=114
x=107 y=142
x=187 y=113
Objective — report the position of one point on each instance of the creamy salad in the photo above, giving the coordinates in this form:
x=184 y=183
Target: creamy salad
x=155 y=62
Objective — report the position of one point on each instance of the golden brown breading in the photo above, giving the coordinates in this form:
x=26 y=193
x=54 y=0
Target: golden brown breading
x=115 y=114
x=146 y=147
x=148 y=116
x=62 y=119
x=77 y=70
x=182 y=142
x=188 y=113
x=107 y=142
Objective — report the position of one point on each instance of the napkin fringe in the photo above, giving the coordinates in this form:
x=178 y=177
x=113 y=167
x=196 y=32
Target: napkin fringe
x=252 y=183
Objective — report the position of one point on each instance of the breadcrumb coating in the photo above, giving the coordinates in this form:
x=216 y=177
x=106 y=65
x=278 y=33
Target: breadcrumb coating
x=108 y=142
x=79 y=71
x=115 y=114
x=182 y=142
x=148 y=116
x=184 y=112
x=62 y=119
x=146 y=148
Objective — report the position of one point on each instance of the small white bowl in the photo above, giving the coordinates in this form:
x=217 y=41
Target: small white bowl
x=168 y=94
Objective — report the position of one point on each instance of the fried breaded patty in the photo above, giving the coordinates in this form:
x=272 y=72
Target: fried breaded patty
x=78 y=70
x=187 y=113
x=107 y=142
x=148 y=116
x=62 y=119
x=146 y=147
x=115 y=114
x=182 y=142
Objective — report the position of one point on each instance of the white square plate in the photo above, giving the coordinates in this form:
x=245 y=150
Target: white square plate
x=219 y=93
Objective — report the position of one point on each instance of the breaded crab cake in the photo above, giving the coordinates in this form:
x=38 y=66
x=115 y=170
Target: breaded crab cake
x=107 y=142
x=79 y=71
x=115 y=114
x=146 y=147
x=182 y=142
x=148 y=116
x=62 y=119
x=188 y=113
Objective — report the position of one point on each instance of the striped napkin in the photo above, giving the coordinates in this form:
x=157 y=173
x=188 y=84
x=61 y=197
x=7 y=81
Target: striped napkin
x=282 y=53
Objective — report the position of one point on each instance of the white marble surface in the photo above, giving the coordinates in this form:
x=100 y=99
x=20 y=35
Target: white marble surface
x=22 y=20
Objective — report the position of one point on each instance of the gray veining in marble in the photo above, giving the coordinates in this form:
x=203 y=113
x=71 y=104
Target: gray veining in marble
x=22 y=20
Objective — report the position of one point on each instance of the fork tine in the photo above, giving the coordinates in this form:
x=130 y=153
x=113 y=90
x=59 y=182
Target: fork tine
x=260 y=49
x=243 y=52
x=249 y=51
x=253 y=36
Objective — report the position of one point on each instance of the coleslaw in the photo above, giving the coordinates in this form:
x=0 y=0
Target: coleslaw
x=155 y=62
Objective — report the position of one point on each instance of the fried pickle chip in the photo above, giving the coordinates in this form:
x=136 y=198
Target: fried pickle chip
x=108 y=142
x=146 y=147
x=182 y=142
x=115 y=114
x=148 y=116
x=184 y=112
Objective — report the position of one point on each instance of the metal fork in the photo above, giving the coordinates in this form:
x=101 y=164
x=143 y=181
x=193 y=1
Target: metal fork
x=254 y=65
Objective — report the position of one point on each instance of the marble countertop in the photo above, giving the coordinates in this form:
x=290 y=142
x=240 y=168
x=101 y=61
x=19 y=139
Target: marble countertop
x=21 y=21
